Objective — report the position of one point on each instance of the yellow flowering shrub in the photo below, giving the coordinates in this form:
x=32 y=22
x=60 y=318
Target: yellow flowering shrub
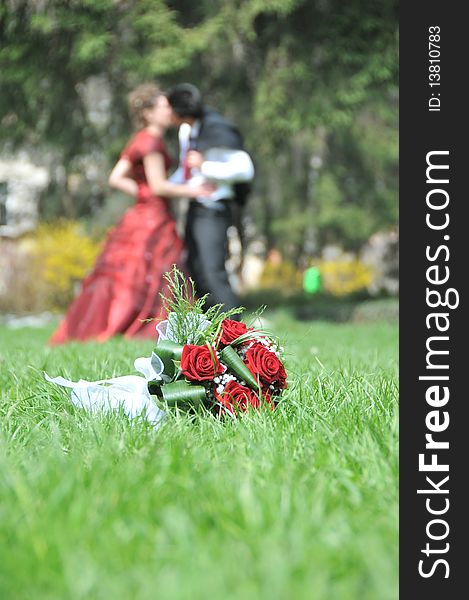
x=344 y=276
x=283 y=276
x=61 y=255
x=339 y=277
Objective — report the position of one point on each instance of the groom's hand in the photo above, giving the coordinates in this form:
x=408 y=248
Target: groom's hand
x=194 y=159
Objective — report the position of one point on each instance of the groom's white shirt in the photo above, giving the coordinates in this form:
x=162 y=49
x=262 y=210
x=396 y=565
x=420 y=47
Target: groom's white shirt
x=222 y=166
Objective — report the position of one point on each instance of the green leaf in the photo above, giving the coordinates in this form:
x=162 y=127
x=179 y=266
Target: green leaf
x=231 y=359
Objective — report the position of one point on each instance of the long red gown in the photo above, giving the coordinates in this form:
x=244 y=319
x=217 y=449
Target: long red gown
x=124 y=285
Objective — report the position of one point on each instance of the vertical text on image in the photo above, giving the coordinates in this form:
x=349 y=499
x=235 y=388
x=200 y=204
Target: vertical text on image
x=440 y=298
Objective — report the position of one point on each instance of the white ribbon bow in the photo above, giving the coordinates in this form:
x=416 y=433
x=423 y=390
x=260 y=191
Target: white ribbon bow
x=129 y=392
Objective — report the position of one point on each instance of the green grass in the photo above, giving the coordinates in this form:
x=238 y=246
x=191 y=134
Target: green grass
x=296 y=504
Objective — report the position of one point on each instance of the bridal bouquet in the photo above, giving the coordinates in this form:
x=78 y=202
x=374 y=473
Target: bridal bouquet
x=201 y=358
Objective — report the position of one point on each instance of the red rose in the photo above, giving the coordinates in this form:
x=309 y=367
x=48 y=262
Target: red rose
x=265 y=363
x=237 y=397
x=199 y=364
x=230 y=330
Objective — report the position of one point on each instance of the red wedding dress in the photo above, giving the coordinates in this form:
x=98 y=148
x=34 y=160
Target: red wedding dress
x=124 y=285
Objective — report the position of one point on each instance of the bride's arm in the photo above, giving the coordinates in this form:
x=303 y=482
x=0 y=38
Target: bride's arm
x=156 y=176
x=120 y=178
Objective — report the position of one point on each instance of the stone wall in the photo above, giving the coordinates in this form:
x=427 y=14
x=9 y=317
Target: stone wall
x=21 y=183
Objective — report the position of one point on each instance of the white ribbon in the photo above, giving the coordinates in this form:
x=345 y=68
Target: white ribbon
x=129 y=392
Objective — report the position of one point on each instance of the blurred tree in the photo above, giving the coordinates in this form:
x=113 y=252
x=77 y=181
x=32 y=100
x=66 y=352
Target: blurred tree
x=313 y=84
x=50 y=49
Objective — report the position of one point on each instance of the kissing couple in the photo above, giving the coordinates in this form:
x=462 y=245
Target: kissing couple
x=123 y=289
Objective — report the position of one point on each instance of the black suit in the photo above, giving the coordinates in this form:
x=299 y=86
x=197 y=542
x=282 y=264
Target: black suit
x=206 y=228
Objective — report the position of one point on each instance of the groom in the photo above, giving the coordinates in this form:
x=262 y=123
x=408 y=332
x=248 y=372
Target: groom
x=213 y=151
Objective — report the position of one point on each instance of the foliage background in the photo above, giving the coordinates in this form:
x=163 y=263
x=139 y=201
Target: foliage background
x=313 y=85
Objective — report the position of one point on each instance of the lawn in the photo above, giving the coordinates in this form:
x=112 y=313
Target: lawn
x=296 y=504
